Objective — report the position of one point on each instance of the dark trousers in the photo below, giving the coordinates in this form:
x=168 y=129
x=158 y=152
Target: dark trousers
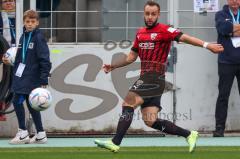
x=18 y=100
x=226 y=74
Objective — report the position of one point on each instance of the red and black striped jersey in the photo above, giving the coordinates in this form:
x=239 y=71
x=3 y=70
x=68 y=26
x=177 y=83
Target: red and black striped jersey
x=153 y=46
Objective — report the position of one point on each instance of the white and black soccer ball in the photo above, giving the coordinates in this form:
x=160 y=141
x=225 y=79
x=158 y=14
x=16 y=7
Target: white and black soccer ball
x=40 y=99
x=11 y=55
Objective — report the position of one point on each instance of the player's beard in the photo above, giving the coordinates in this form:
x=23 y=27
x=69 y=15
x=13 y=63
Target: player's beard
x=150 y=26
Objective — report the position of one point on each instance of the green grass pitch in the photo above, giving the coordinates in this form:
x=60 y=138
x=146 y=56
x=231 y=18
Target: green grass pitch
x=125 y=153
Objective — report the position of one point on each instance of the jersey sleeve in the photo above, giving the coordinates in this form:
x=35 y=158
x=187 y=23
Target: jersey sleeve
x=174 y=34
x=135 y=46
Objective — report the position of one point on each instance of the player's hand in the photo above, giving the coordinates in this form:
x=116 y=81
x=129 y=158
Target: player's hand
x=5 y=60
x=215 y=48
x=107 y=68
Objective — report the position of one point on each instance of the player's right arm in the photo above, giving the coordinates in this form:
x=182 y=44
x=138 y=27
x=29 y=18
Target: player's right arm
x=130 y=58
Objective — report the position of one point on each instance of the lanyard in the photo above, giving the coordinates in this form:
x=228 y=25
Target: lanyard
x=12 y=30
x=235 y=21
x=25 y=47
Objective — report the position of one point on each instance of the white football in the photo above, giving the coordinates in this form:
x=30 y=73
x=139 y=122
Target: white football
x=40 y=99
x=11 y=55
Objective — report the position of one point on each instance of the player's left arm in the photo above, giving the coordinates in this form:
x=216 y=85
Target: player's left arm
x=213 y=47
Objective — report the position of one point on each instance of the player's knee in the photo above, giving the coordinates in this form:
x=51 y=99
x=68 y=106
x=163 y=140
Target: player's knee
x=129 y=101
x=125 y=103
x=133 y=99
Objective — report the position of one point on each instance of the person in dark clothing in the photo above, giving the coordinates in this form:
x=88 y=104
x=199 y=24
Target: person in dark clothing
x=228 y=28
x=8 y=21
x=152 y=45
x=31 y=70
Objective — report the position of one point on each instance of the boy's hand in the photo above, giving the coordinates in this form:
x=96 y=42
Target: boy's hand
x=5 y=60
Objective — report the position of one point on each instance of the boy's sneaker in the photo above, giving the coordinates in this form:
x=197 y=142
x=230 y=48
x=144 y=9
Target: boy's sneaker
x=39 y=138
x=192 y=140
x=22 y=137
x=107 y=145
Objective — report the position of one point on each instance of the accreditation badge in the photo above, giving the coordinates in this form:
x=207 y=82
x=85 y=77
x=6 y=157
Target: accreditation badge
x=20 y=70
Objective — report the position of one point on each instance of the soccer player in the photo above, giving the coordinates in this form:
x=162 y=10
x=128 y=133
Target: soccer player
x=151 y=45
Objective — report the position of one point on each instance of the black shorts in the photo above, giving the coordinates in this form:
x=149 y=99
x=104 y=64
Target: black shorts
x=150 y=86
x=154 y=101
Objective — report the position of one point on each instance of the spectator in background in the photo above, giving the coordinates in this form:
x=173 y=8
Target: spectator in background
x=228 y=28
x=7 y=21
x=7 y=29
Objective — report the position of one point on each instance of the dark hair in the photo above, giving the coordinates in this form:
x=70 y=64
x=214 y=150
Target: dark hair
x=32 y=14
x=152 y=3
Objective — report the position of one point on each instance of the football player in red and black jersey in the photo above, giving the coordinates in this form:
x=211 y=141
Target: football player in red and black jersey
x=152 y=45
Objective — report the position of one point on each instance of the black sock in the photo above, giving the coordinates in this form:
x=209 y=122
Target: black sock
x=123 y=124
x=170 y=128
